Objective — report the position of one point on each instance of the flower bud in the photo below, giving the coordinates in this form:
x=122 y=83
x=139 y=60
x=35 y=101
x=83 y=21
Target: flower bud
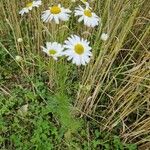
x=18 y=58
x=104 y=36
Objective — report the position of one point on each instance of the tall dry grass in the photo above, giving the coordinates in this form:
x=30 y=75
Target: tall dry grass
x=115 y=87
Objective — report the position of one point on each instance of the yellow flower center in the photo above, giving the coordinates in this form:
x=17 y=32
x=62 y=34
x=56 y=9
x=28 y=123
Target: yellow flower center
x=84 y=1
x=29 y=4
x=52 y=52
x=55 y=10
x=87 y=13
x=79 y=49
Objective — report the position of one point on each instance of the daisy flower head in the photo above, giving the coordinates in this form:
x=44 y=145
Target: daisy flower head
x=29 y=6
x=56 y=13
x=89 y=18
x=77 y=50
x=54 y=49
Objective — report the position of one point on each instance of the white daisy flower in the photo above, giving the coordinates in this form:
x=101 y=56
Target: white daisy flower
x=77 y=50
x=90 y=19
x=104 y=36
x=54 y=49
x=29 y=7
x=56 y=13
